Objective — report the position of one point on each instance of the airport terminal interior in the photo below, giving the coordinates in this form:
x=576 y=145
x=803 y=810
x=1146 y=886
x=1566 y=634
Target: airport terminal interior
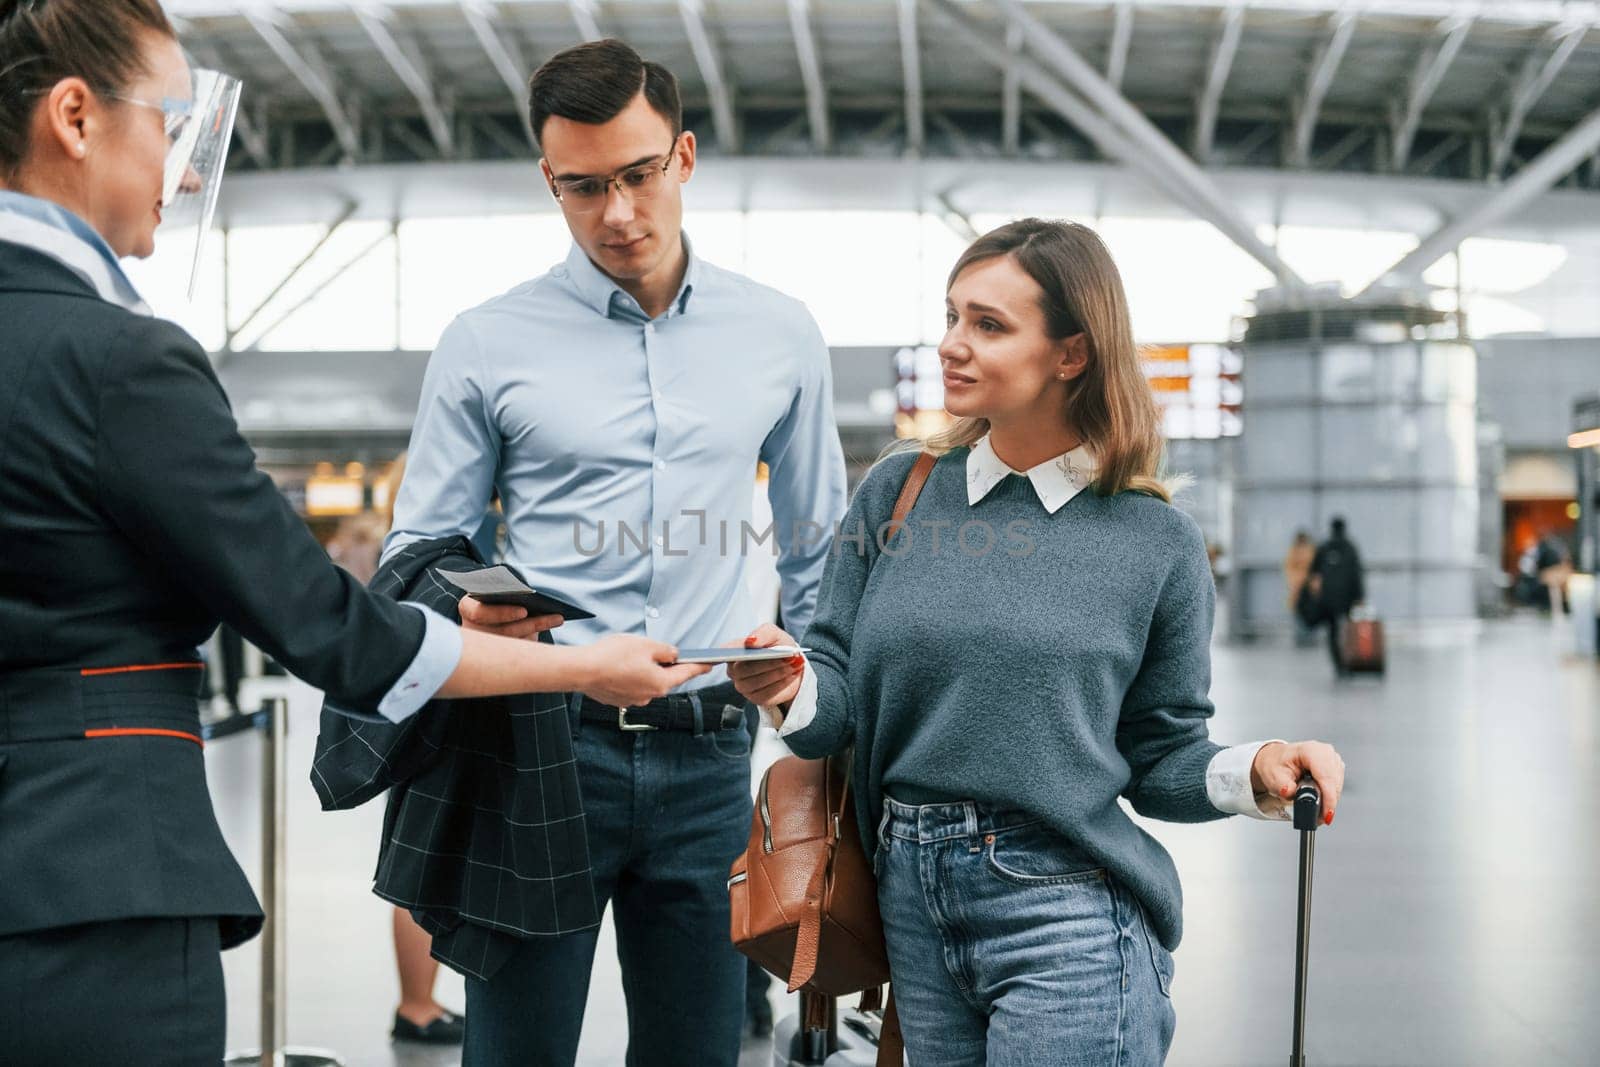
x=1361 y=245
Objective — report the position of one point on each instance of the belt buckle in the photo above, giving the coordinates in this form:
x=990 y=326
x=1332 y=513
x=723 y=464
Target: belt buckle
x=631 y=727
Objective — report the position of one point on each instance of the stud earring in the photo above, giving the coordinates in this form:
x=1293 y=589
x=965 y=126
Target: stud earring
x=82 y=148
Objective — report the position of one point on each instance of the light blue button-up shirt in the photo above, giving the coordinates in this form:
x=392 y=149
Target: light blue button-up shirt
x=624 y=449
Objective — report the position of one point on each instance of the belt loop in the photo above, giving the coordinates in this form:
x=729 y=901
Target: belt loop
x=970 y=810
x=699 y=714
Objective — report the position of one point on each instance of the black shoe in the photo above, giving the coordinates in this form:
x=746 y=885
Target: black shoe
x=447 y=1029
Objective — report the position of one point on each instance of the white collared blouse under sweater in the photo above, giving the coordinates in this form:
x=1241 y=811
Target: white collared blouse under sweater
x=1057 y=481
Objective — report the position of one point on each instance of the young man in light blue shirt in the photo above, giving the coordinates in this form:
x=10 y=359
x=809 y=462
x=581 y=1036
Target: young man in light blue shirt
x=620 y=404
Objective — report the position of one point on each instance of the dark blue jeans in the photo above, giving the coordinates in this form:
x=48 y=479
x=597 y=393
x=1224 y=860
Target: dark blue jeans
x=667 y=813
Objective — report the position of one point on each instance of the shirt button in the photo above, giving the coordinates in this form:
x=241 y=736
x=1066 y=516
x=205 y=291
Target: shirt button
x=656 y=394
x=649 y=327
x=660 y=540
x=654 y=613
x=661 y=464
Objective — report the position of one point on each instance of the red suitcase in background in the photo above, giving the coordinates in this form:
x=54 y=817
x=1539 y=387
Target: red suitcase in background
x=1362 y=643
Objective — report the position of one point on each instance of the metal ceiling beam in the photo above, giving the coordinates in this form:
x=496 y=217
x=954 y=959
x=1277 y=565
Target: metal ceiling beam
x=1425 y=78
x=1341 y=25
x=1011 y=97
x=505 y=57
x=233 y=332
x=253 y=137
x=1447 y=147
x=412 y=72
x=1533 y=180
x=911 y=63
x=1532 y=80
x=1222 y=52
x=1345 y=146
x=959 y=222
x=344 y=268
x=583 y=13
x=707 y=58
x=311 y=72
x=1121 y=40
x=805 y=44
x=1136 y=141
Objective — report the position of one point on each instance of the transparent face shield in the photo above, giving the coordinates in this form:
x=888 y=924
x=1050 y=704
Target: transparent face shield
x=199 y=125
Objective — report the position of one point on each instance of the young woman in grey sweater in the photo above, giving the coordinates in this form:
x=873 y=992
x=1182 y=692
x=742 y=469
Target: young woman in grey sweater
x=1031 y=647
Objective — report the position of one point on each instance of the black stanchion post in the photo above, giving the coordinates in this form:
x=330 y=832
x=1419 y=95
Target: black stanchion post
x=273 y=721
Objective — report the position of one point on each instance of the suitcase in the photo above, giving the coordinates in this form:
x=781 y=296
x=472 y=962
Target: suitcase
x=1361 y=644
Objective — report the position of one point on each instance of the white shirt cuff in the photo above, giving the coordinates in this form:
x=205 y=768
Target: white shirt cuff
x=802 y=709
x=432 y=666
x=1228 y=785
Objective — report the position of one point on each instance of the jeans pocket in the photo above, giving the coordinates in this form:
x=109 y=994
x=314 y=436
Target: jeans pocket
x=1160 y=958
x=1033 y=854
x=732 y=745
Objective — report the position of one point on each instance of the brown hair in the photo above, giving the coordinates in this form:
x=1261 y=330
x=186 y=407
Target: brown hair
x=594 y=82
x=44 y=41
x=1110 y=404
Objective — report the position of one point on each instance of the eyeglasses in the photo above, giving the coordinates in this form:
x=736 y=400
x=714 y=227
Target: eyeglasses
x=583 y=196
x=175 y=112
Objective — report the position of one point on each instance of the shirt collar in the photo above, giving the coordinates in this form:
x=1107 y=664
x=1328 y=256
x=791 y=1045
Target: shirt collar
x=1056 y=481
x=607 y=298
x=52 y=230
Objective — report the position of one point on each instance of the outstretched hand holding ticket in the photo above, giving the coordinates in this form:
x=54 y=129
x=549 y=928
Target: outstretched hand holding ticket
x=768 y=683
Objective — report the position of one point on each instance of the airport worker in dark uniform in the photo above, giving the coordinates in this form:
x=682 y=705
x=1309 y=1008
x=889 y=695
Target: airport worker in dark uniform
x=132 y=521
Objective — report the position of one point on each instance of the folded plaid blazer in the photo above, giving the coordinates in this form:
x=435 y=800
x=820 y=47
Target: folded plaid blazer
x=483 y=839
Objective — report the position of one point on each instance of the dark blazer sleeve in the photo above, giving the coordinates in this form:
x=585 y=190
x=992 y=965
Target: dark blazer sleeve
x=180 y=482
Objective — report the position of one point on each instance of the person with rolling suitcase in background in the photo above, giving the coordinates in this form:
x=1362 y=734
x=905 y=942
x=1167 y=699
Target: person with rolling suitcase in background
x=1338 y=584
x=1003 y=693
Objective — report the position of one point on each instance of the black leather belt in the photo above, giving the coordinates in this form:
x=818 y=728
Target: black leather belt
x=717 y=707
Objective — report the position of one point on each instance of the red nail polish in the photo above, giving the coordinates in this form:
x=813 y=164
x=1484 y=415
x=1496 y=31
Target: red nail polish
x=750 y=642
x=1327 y=819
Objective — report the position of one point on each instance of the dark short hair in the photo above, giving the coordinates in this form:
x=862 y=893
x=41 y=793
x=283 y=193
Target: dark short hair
x=594 y=82
x=44 y=41
x=1338 y=526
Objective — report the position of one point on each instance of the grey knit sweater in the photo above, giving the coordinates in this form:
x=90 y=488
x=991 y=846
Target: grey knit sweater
x=1065 y=667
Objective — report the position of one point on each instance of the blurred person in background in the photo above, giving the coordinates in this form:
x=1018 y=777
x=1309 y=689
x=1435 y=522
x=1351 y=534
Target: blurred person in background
x=1296 y=573
x=1339 y=584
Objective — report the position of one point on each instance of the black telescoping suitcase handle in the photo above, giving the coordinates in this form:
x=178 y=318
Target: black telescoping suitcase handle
x=1307 y=804
x=1307 y=817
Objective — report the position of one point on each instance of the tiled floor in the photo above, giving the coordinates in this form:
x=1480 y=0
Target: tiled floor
x=1455 y=917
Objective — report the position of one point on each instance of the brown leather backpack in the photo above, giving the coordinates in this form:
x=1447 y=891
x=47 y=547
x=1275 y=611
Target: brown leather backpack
x=805 y=903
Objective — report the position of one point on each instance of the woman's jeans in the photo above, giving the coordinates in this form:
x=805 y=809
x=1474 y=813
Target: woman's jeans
x=1009 y=947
